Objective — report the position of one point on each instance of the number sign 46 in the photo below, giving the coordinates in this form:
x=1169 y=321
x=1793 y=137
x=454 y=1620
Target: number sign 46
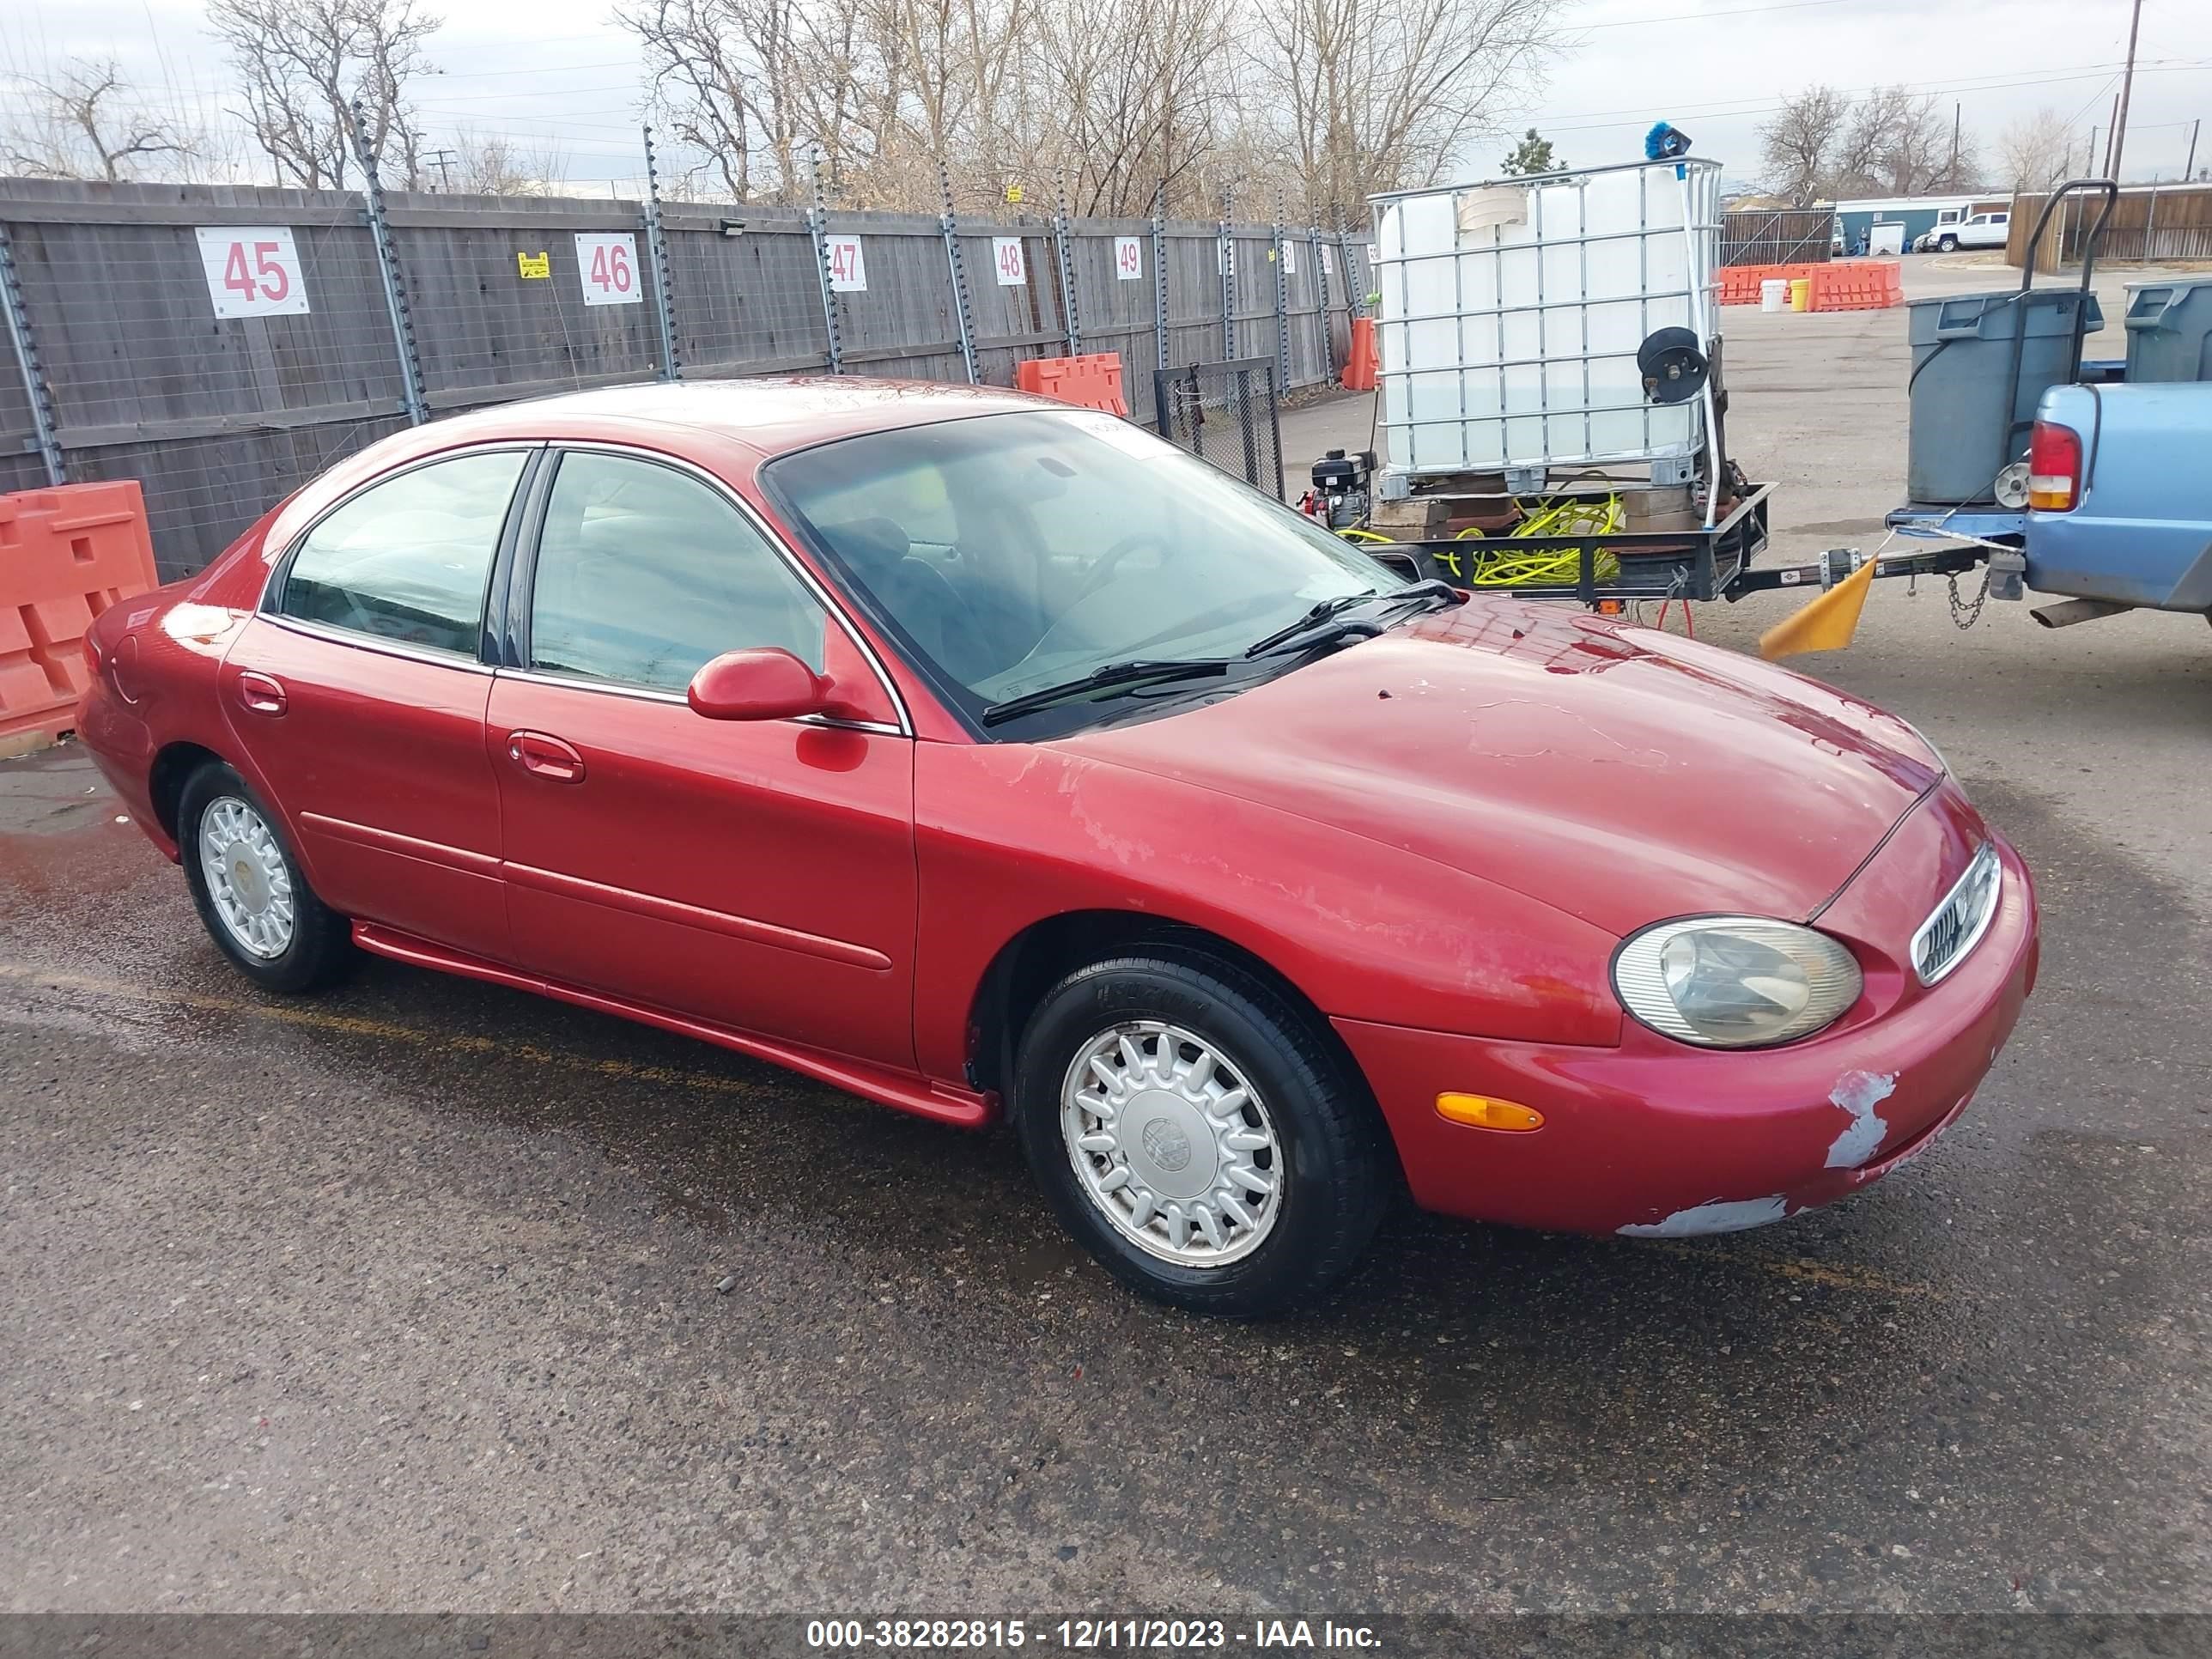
x=252 y=271
x=606 y=263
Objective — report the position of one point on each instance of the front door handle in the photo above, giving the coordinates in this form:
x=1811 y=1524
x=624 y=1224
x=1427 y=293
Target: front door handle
x=546 y=756
x=262 y=694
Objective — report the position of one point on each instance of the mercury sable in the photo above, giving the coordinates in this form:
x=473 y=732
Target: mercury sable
x=994 y=760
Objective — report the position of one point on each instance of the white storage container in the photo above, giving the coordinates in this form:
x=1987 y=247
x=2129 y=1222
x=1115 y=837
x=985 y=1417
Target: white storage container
x=1773 y=294
x=1510 y=313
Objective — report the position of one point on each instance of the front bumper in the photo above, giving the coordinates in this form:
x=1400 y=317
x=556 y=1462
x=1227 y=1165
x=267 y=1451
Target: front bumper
x=1658 y=1138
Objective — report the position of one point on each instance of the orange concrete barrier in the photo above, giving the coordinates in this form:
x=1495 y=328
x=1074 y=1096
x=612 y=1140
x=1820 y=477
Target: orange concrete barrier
x=1091 y=381
x=1363 y=363
x=1858 y=285
x=66 y=553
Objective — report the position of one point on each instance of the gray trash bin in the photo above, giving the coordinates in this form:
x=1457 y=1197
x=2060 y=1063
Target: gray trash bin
x=2170 y=330
x=1961 y=357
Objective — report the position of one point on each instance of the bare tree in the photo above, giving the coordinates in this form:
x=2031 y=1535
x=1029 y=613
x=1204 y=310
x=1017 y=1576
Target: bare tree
x=302 y=64
x=2032 y=151
x=83 y=122
x=1378 y=94
x=1799 y=145
x=1822 y=143
x=497 y=166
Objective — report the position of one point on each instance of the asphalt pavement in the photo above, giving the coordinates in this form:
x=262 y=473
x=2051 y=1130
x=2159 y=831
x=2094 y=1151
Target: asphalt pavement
x=407 y=1298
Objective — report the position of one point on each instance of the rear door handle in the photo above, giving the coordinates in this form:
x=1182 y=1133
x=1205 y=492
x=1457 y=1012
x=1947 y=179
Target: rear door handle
x=260 y=693
x=546 y=756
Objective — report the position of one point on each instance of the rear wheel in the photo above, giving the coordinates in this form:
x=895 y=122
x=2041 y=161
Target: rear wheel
x=248 y=888
x=1197 y=1135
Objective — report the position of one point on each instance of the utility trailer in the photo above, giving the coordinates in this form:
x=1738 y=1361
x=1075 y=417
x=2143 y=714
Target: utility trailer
x=1549 y=391
x=1551 y=337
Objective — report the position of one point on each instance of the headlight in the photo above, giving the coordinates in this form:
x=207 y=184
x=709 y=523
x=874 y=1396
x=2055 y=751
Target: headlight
x=1734 y=981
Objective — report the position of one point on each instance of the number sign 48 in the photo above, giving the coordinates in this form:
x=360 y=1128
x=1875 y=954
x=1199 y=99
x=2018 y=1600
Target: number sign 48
x=607 y=264
x=252 y=271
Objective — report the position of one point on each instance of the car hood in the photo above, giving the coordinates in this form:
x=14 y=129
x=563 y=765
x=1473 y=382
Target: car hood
x=1620 y=775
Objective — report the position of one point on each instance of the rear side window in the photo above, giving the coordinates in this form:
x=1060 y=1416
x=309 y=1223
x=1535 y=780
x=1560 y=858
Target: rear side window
x=407 y=559
x=644 y=573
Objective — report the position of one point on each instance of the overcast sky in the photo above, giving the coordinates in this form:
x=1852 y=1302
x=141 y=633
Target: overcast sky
x=1713 y=67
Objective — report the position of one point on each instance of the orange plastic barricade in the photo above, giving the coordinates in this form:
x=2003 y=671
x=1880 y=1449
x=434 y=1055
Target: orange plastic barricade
x=66 y=553
x=1361 y=366
x=1092 y=381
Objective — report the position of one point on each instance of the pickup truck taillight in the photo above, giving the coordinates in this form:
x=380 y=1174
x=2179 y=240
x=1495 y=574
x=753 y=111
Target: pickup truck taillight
x=2054 y=467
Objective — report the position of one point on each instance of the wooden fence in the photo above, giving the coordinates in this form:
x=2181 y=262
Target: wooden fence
x=2149 y=224
x=133 y=374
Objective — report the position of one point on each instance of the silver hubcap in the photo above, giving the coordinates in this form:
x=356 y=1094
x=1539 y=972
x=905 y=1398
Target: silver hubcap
x=247 y=879
x=1172 y=1143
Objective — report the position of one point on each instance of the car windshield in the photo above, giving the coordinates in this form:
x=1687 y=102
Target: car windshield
x=1018 y=551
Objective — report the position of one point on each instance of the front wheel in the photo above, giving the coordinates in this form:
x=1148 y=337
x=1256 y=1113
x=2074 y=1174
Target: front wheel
x=248 y=888
x=1948 y=245
x=1196 y=1133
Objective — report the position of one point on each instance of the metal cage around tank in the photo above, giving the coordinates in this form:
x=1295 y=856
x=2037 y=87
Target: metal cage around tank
x=1511 y=313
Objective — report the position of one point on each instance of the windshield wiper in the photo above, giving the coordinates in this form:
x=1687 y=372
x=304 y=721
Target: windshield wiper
x=1316 y=621
x=1145 y=671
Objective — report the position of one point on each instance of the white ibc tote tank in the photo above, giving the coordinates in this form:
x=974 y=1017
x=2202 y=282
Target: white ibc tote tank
x=1510 y=315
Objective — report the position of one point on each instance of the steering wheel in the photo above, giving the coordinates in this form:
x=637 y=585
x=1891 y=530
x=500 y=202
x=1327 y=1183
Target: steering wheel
x=1103 y=571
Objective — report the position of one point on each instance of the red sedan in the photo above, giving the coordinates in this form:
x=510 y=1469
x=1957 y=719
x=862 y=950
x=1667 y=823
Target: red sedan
x=993 y=759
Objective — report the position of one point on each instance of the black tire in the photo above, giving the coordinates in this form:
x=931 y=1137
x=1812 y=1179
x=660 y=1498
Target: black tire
x=1947 y=245
x=320 y=949
x=1338 y=1172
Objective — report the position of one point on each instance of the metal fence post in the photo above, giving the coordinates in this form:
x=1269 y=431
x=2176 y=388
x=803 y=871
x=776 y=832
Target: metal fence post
x=1227 y=249
x=1320 y=301
x=1160 y=273
x=664 y=292
x=817 y=226
x=1354 y=300
x=1282 y=302
x=959 y=273
x=1074 y=326
x=387 y=266
x=35 y=389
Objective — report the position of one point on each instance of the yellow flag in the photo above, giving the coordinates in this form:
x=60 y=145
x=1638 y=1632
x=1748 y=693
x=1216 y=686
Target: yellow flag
x=1824 y=624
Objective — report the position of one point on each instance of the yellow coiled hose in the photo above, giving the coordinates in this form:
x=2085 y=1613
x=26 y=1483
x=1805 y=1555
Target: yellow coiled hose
x=1499 y=566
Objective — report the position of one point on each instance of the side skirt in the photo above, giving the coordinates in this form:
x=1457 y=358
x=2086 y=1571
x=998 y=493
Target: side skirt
x=964 y=1108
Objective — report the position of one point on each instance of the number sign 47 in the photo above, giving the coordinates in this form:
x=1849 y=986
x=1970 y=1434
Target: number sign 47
x=252 y=271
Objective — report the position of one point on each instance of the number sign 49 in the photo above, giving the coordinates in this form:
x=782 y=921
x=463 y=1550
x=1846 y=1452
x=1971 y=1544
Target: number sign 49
x=606 y=263
x=252 y=271
x=1128 y=260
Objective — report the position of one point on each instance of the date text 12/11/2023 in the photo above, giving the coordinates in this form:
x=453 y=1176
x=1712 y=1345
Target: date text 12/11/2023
x=1086 y=1634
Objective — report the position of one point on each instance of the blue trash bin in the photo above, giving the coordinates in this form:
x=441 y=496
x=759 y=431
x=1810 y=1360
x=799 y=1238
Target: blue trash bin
x=2170 y=330
x=1961 y=359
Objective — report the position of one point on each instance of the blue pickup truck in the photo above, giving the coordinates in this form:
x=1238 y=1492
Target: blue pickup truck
x=2120 y=498
x=2091 y=481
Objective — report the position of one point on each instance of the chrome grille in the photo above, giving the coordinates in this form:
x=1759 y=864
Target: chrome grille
x=1958 y=923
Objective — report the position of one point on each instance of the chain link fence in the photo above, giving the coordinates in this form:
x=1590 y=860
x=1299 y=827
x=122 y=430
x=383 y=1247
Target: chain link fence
x=1227 y=414
x=223 y=345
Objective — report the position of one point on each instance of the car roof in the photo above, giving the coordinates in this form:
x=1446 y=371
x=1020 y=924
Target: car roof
x=769 y=416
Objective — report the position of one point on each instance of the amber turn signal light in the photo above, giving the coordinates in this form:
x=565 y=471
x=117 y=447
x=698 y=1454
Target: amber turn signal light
x=1488 y=1112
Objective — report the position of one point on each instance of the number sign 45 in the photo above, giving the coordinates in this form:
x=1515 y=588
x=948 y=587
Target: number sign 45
x=252 y=271
x=607 y=265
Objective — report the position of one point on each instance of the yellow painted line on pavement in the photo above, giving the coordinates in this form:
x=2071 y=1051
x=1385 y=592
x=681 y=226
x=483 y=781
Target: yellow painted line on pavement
x=383 y=1030
x=1865 y=1279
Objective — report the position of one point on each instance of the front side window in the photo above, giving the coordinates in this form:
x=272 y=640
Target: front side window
x=1022 y=551
x=644 y=573
x=407 y=560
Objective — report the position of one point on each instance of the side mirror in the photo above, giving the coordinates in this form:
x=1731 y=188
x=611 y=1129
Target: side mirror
x=763 y=683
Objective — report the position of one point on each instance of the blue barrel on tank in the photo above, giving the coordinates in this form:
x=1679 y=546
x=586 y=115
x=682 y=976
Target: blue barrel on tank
x=1961 y=360
x=2170 y=330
